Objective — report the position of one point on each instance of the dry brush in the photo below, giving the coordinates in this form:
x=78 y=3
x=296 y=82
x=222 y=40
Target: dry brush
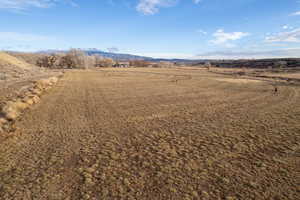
x=11 y=110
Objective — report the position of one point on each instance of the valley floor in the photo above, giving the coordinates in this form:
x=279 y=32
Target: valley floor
x=155 y=134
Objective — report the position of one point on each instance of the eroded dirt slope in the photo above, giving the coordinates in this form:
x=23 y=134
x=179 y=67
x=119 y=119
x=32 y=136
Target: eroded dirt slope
x=155 y=134
x=11 y=68
x=16 y=75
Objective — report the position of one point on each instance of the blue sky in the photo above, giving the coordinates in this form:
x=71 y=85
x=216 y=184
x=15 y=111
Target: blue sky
x=158 y=28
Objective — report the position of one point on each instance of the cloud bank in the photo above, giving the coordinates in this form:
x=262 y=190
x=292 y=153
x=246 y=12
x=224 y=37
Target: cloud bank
x=20 y=5
x=222 y=37
x=24 y=4
x=289 y=36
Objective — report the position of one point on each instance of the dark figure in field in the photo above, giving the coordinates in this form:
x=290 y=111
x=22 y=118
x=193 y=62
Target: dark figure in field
x=275 y=90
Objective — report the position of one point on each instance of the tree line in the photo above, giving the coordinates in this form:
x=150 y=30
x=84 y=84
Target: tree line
x=73 y=59
x=78 y=59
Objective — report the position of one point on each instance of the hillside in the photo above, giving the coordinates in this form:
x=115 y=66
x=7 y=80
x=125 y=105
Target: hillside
x=30 y=58
x=6 y=59
x=16 y=74
x=14 y=68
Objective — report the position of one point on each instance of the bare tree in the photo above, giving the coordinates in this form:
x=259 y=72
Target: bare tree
x=207 y=65
x=77 y=58
x=48 y=61
x=73 y=59
x=98 y=59
x=104 y=62
x=90 y=61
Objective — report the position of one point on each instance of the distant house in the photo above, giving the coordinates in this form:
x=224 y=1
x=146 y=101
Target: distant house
x=122 y=64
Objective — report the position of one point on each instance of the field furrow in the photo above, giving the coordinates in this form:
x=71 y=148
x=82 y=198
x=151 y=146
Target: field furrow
x=138 y=134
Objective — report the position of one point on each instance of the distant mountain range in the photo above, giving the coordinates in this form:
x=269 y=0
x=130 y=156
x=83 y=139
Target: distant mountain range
x=120 y=56
x=235 y=63
x=115 y=56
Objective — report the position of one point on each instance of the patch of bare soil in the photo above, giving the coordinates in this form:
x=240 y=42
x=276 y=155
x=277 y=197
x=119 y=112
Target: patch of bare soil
x=137 y=134
x=238 y=80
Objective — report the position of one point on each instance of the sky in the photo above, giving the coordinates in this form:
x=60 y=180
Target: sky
x=190 y=29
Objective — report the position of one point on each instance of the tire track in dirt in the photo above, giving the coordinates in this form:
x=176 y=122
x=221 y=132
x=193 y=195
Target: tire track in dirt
x=52 y=139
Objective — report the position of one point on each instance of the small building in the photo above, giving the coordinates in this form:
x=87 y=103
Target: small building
x=122 y=64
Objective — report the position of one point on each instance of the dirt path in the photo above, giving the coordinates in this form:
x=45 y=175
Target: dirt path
x=137 y=134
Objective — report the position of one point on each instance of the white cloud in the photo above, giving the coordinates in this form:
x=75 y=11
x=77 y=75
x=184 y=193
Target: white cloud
x=223 y=38
x=291 y=36
x=201 y=31
x=150 y=7
x=285 y=27
x=197 y=1
x=21 y=37
x=295 y=13
x=25 y=4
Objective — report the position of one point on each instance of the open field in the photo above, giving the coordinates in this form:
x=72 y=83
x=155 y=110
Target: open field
x=155 y=134
x=292 y=73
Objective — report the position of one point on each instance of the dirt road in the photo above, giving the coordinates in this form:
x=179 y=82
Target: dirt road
x=155 y=134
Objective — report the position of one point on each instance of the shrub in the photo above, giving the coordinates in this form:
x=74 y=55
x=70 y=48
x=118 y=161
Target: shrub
x=48 y=61
x=74 y=59
x=139 y=63
x=103 y=62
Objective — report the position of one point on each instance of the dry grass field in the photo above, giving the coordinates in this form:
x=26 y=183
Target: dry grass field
x=180 y=134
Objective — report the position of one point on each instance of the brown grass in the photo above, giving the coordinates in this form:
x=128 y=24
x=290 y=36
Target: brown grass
x=238 y=80
x=8 y=59
x=135 y=134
